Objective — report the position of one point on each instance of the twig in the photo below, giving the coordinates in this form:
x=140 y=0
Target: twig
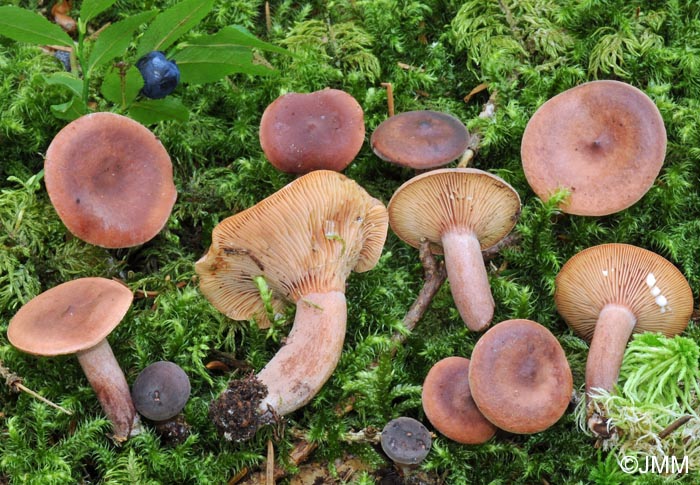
x=14 y=382
x=270 y=469
x=268 y=18
x=674 y=426
x=389 y=98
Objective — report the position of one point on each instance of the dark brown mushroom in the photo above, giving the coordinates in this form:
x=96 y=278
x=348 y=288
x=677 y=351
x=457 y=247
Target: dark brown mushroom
x=161 y=391
x=110 y=180
x=323 y=130
x=420 y=139
x=406 y=442
x=604 y=141
x=75 y=318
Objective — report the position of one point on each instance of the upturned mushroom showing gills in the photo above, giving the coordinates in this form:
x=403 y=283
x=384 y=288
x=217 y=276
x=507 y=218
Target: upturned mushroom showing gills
x=420 y=139
x=75 y=318
x=460 y=212
x=519 y=377
x=607 y=292
x=110 y=180
x=603 y=141
x=323 y=130
x=304 y=241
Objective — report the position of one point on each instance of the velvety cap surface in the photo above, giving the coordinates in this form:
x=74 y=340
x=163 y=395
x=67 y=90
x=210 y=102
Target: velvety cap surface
x=70 y=317
x=604 y=141
x=420 y=139
x=448 y=404
x=305 y=238
x=653 y=289
x=519 y=377
x=301 y=132
x=449 y=199
x=110 y=180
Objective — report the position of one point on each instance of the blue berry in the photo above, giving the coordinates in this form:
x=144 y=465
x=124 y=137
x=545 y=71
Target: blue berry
x=160 y=76
x=64 y=57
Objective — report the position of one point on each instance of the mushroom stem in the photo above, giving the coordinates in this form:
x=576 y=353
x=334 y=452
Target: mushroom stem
x=300 y=368
x=468 y=279
x=613 y=330
x=107 y=379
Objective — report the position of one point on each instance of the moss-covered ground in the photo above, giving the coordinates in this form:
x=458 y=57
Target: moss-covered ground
x=434 y=52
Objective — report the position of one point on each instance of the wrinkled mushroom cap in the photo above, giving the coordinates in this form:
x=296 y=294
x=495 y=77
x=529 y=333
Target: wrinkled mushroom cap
x=652 y=288
x=604 y=141
x=161 y=390
x=453 y=199
x=305 y=238
x=70 y=317
x=110 y=180
x=448 y=404
x=519 y=377
x=420 y=139
x=406 y=441
x=301 y=132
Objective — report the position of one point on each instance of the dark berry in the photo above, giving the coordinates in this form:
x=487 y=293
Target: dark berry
x=160 y=76
x=64 y=57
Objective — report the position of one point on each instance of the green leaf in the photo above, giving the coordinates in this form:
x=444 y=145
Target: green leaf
x=172 y=23
x=149 y=111
x=236 y=35
x=92 y=8
x=205 y=64
x=122 y=89
x=66 y=79
x=26 y=26
x=115 y=39
x=71 y=110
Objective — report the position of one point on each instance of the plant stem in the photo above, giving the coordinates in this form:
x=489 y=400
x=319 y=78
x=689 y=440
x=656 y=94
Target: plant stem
x=14 y=382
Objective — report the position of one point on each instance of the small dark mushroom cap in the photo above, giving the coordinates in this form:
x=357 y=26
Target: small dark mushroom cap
x=604 y=141
x=161 y=391
x=653 y=289
x=448 y=404
x=70 y=317
x=420 y=139
x=110 y=180
x=519 y=377
x=305 y=238
x=465 y=199
x=406 y=441
x=301 y=132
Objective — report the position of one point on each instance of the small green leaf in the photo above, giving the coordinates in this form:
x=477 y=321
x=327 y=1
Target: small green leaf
x=172 y=23
x=26 y=26
x=150 y=111
x=122 y=89
x=115 y=39
x=236 y=35
x=205 y=64
x=71 y=110
x=92 y=8
x=66 y=79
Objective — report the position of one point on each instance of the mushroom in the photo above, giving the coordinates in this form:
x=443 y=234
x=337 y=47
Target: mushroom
x=604 y=141
x=110 y=180
x=420 y=139
x=448 y=404
x=607 y=292
x=460 y=211
x=519 y=377
x=406 y=442
x=75 y=318
x=303 y=241
x=301 y=132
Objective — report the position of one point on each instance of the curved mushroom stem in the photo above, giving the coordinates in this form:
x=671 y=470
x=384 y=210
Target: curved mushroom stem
x=612 y=332
x=468 y=279
x=107 y=379
x=300 y=368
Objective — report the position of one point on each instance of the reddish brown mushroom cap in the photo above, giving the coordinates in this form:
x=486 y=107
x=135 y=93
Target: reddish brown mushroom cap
x=69 y=318
x=301 y=132
x=448 y=404
x=519 y=377
x=453 y=199
x=420 y=139
x=604 y=141
x=651 y=287
x=110 y=180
